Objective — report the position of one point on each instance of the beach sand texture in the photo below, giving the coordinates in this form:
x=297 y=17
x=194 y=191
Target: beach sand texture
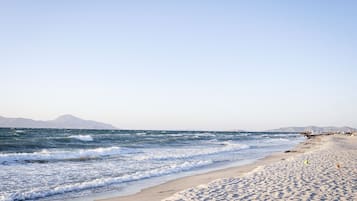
x=328 y=171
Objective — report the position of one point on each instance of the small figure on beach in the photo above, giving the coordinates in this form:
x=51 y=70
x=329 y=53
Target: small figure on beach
x=306 y=162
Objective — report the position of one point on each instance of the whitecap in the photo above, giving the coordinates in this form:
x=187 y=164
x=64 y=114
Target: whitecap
x=55 y=155
x=190 y=152
x=82 y=137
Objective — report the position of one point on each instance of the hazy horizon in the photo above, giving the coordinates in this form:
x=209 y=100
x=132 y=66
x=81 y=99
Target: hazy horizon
x=187 y=65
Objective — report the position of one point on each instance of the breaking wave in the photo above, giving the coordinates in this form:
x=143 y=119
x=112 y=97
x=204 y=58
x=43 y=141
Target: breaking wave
x=82 y=137
x=56 y=155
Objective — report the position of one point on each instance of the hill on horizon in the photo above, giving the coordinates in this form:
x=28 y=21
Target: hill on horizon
x=68 y=121
x=64 y=121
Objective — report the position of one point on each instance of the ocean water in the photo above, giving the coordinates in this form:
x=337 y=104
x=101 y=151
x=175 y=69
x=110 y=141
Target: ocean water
x=62 y=164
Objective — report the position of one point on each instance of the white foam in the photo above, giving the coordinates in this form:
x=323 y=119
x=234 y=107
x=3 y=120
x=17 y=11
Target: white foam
x=82 y=137
x=280 y=135
x=206 y=134
x=278 y=140
x=36 y=193
x=50 y=155
x=180 y=153
x=175 y=135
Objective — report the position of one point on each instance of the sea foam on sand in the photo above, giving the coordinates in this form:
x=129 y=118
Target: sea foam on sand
x=326 y=172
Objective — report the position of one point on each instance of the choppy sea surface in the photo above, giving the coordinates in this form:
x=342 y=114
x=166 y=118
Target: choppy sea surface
x=63 y=164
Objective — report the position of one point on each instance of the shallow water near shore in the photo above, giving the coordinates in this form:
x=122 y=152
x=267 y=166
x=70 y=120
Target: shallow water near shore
x=61 y=164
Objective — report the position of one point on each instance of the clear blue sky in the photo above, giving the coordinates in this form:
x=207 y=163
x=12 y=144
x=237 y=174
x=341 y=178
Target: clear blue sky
x=216 y=65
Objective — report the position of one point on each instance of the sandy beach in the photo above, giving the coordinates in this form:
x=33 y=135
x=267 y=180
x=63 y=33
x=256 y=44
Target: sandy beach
x=321 y=168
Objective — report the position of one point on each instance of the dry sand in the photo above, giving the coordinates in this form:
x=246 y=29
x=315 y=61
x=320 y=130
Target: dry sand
x=322 y=168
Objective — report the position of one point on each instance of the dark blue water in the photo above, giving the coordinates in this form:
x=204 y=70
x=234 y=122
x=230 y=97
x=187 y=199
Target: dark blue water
x=59 y=164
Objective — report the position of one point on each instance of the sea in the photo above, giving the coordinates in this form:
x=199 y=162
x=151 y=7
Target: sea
x=74 y=164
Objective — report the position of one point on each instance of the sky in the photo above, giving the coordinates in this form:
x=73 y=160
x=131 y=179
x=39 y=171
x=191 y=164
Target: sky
x=201 y=65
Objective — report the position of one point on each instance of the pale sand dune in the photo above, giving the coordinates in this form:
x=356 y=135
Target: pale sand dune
x=329 y=174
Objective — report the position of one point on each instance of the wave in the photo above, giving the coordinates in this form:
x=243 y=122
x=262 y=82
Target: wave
x=86 y=138
x=41 y=193
x=54 y=155
x=272 y=142
x=176 y=135
x=183 y=153
x=206 y=134
x=281 y=135
x=58 y=155
x=277 y=141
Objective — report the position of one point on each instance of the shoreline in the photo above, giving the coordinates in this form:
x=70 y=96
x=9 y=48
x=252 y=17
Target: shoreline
x=169 y=188
x=325 y=171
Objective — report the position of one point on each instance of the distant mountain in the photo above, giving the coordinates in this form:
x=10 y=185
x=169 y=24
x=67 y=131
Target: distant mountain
x=314 y=129
x=64 y=121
